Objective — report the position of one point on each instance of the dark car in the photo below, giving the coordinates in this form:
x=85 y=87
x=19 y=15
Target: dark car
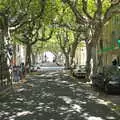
x=80 y=71
x=109 y=80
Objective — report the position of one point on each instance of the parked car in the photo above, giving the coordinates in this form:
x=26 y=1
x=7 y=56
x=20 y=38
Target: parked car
x=109 y=80
x=80 y=71
x=35 y=68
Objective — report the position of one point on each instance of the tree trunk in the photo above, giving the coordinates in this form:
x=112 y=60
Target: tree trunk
x=100 y=58
x=67 y=62
x=4 y=42
x=94 y=57
x=28 y=56
x=95 y=40
x=73 y=50
x=88 y=59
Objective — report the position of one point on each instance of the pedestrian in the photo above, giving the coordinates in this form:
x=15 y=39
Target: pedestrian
x=22 y=70
x=16 y=73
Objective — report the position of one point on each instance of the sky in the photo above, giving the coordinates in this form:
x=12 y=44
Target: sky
x=49 y=55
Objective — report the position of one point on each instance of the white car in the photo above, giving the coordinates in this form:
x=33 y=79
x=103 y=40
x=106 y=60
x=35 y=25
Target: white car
x=35 y=68
x=80 y=71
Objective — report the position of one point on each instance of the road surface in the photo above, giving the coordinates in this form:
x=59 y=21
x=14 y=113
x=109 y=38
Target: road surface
x=53 y=96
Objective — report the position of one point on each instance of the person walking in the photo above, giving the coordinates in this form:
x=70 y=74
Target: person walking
x=16 y=73
x=22 y=70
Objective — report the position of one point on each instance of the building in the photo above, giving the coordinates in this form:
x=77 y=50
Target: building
x=19 y=53
x=80 y=54
x=110 y=37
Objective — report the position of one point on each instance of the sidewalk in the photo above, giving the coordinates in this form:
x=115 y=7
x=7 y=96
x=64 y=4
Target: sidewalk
x=113 y=100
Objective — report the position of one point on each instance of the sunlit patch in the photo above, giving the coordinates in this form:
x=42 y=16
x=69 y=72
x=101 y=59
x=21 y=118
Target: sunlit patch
x=63 y=108
x=72 y=85
x=3 y=113
x=57 y=79
x=66 y=99
x=76 y=108
x=23 y=113
x=19 y=109
x=20 y=99
x=43 y=75
x=82 y=102
x=110 y=118
x=79 y=90
x=100 y=101
x=39 y=107
x=41 y=103
x=94 y=118
x=64 y=82
x=91 y=97
x=85 y=114
x=12 y=117
x=20 y=90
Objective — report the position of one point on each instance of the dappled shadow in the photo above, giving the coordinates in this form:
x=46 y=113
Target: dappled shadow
x=53 y=96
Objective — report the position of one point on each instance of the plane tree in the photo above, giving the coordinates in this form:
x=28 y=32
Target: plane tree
x=94 y=14
x=30 y=35
x=38 y=26
x=65 y=32
x=11 y=15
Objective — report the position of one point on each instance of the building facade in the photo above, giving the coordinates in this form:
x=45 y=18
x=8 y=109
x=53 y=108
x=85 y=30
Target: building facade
x=19 y=53
x=80 y=54
x=110 y=38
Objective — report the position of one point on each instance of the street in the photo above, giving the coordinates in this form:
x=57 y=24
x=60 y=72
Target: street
x=53 y=96
x=50 y=67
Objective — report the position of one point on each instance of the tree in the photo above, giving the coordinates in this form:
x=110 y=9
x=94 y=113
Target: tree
x=94 y=14
x=65 y=28
x=37 y=27
x=30 y=35
x=68 y=44
x=8 y=16
x=14 y=15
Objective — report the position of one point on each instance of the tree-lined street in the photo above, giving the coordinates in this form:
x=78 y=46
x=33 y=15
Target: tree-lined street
x=54 y=96
x=43 y=44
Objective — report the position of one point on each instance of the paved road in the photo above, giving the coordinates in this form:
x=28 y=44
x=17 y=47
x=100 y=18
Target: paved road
x=50 y=67
x=53 y=96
